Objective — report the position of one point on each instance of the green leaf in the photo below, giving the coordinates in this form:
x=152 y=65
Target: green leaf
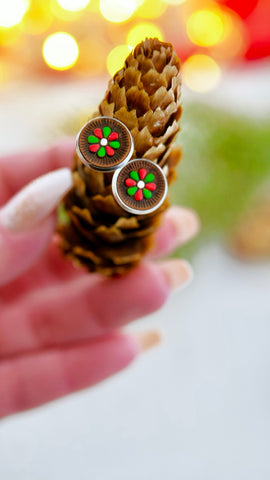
x=132 y=190
x=102 y=152
x=114 y=144
x=106 y=131
x=93 y=139
x=134 y=175
x=149 y=178
x=147 y=193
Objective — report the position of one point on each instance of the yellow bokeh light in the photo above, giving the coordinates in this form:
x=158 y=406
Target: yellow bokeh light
x=151 y=9
x=12 y=12
x=205 y=27
x=140 y=32
x=117 y=10
x=235 y=39
x=73 y=5
x=37 y=19
x=116 y=58
x=60 y=51
x=201 y=73
x=9 y=36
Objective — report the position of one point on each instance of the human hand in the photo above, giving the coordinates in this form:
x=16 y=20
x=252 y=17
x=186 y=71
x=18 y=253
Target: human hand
x=59 y=326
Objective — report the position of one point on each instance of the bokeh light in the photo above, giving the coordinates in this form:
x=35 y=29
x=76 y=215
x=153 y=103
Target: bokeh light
x=140 y=32
x=205 y=27
x=201 y=73
x=37 y=19
x=60 y=51
x=235 y=39
x=73 y=5
x=116 y=58
x=9 y=37
x=151 y=9
x=117 y=10
x=12 y=12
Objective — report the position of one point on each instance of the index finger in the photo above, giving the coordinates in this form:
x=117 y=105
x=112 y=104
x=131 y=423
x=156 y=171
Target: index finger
x=18 y=169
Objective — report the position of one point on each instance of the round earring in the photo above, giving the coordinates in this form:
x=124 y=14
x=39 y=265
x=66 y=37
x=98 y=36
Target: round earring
x=104 y=144
x=140 y=187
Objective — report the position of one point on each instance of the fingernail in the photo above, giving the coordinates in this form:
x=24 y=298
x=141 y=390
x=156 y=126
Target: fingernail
x=178 y=273
x=35 y=201
x=148 y=340
x=185 y=221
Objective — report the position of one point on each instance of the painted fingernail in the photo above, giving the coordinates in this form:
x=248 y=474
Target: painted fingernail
x=35 y=201
x=185 y=221
x=147 y=340
x=178 y=273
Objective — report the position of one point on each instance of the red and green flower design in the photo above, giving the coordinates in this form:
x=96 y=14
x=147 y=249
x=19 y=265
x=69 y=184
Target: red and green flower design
x=103 y=142
x=140 y=184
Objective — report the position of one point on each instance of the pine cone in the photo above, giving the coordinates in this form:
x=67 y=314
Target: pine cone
x=145 y=96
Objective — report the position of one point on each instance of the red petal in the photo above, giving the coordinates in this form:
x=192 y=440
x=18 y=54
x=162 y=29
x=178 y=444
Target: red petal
x=94 y=148
x=113 y=136
x=98 y=133
x=150 y=186
x=130 y=183
x=138 y=195
x=110 y=151
x=142 y=173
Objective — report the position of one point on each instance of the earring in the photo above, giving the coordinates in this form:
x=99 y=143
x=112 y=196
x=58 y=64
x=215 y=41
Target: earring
x=104 y=144
x=140 y=187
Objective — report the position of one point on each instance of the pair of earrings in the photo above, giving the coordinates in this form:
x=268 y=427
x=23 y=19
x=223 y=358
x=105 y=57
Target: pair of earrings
x=105 y=144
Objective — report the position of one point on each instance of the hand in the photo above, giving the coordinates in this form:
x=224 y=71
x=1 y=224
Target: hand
x=59 y=326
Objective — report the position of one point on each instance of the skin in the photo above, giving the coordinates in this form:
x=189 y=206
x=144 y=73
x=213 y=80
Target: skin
x=57 y=335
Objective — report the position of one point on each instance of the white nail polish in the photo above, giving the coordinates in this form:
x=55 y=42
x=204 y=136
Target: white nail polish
x=36 y=201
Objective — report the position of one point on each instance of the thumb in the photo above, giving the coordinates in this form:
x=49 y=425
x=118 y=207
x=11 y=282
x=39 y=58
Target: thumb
x=26 y=225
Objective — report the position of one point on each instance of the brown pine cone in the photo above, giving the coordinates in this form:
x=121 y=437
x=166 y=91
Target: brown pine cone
x=145 y=96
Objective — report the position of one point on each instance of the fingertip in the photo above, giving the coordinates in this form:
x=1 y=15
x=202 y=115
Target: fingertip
x=148 y=339
x=179 y=226
x=186 y=222
x=36 y=200
x=178 y=273
x=126 y=348
x=151 y=286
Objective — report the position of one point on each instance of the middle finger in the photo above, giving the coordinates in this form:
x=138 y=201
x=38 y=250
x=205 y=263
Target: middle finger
x=87 y=307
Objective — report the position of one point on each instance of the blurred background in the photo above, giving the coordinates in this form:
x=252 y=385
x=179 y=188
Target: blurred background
x=198 y=407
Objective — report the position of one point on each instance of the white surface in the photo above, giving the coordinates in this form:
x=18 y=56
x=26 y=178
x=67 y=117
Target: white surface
x=197 y=408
